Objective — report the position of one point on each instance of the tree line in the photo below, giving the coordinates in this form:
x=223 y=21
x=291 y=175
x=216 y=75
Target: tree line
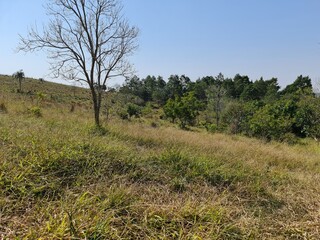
x=235 y=105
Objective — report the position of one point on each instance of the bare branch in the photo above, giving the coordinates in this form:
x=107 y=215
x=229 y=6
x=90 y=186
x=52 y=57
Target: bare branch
x=86 y=40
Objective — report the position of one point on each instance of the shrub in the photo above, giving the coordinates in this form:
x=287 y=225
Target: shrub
x=122 y=114
x=133 y=110
x=35 y=111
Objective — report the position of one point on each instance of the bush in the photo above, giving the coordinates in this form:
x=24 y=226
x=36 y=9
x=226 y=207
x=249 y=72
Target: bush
x=35 y=111
x=123 y=114
x=133 y=110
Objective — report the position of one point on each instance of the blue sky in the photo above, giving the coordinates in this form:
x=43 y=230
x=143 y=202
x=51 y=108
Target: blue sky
x=269 y=38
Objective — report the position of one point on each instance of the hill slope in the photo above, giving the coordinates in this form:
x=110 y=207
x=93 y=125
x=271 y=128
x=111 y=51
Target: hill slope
x=60 y=178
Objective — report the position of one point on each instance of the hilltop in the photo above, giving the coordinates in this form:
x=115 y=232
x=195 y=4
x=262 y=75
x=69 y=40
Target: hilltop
x=143 y=178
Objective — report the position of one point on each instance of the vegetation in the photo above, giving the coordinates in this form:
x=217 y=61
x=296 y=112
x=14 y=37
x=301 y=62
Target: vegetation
x=239 y=105
x=20 y=76
x=62 y=178
x=185 y=108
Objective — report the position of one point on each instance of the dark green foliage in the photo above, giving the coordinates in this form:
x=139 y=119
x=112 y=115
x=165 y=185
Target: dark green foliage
x=308 y=116
x=240 y=83
x=300 y=84
x=133 y=110
x=148 y=89
x=261 y=90
x=177 y=86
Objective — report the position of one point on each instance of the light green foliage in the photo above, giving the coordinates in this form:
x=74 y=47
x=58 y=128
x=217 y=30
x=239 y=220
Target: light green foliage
x=40 y=97
x=35 y=111
x=273 y=120
x=185 y=109
x=170 y=109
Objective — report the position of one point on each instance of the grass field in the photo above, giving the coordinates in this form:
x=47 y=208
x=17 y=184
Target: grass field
x=61 y=178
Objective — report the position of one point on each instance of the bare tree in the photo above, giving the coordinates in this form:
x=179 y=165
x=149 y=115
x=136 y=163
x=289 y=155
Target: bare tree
x=87 y=41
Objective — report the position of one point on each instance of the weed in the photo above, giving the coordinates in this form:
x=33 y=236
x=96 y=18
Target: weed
x=179 y=185
x=35 y=111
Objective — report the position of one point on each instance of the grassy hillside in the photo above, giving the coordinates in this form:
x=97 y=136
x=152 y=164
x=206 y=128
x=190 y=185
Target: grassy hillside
x=60 y=178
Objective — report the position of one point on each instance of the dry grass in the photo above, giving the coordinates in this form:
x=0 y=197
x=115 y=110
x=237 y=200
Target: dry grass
x=62 y=179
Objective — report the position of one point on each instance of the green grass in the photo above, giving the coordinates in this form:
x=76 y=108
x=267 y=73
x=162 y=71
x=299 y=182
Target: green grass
x=60 y=178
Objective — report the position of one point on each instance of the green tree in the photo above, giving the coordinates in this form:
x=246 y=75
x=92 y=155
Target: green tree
x=274 y=121
x=185 y=108
x=308 y=116
x=20 y=76
x=300 y=84
x=272 y=90
x=188 y=109
x=159 y=95
x=240 y=83
x=177 y=85
x=170 y=109
x=200 y=87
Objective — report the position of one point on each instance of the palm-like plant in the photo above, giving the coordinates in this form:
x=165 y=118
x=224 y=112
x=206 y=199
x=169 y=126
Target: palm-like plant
x=20 y=76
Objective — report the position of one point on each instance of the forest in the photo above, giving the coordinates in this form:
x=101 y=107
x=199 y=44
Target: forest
x=232 y=105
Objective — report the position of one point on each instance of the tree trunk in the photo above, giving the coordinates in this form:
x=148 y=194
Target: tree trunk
x=96 y=114
x=96 y=98
x=218 y=113
x=20 y=80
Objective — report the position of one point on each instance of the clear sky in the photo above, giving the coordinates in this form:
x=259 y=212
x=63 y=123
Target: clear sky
x=268 y=38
